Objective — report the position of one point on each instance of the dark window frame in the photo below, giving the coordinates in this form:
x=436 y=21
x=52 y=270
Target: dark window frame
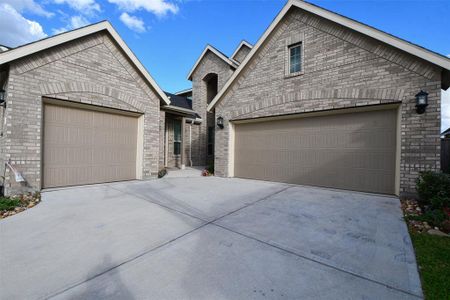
x=177 y=137
x=211 y=137
x=298 y=68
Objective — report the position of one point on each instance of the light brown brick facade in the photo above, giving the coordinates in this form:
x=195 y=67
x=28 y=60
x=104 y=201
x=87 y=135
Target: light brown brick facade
x=342 y=69
x=89 y=70
x=209 y=64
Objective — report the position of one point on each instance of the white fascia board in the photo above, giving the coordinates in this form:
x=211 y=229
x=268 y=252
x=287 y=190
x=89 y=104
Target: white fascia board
x=216 y=52
x=184 y=91
x=243 y=43
x=46 y=43
x=398 y=43
x=178 y=109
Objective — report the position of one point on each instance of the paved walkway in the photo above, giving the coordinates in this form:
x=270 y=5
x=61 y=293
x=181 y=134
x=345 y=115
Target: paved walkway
x=187 y=172
x=207 y=238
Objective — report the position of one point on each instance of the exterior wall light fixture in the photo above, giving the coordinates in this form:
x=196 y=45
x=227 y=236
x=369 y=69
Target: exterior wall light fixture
x=220 y=122
x=421 y=102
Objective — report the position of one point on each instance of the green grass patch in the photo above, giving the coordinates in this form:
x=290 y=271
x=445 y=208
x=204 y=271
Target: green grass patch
x=8 y=203
x=433 y=258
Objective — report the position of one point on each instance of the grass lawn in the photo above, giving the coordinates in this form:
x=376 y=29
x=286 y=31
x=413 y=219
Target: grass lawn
x=433 y=258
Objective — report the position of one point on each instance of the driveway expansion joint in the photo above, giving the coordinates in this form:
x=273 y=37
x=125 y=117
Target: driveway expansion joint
x=320 y=262
x=62 y=291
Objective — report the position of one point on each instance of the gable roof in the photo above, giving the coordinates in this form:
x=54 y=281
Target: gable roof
x=46 y=43
x=179 y=101
x=243 y=43
x=446 y=132
x=4 y=48
x=384 y=37
x=216 y=52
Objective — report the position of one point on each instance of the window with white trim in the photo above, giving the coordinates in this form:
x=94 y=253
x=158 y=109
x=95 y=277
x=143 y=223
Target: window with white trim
x=295 y=58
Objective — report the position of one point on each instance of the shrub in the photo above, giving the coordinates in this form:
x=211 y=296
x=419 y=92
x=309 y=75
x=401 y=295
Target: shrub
x=434 y=189
x=440 y=201
x=8 y=203
x=210 y=169
x=433 y=217
x=162 y=173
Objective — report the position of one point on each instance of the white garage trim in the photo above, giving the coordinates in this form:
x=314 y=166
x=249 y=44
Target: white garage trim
x=105 y=164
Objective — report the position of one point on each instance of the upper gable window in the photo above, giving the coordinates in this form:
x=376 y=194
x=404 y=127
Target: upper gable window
x=295 y=58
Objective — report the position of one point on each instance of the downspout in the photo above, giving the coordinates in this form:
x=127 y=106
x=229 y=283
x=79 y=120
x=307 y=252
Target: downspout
x=190 y=144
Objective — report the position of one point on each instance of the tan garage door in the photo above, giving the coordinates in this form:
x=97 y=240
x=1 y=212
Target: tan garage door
x=84 y=146
x=355 y=151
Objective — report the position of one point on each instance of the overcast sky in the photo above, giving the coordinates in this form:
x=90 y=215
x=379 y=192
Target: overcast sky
x=169 y=35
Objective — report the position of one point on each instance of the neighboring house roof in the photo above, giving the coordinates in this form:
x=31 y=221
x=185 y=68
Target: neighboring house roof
x=184 y=91
x=3 y=48
x=181 y=105
x=179 y=101
x=446 y=132
x=243 y=43
x=46 y=43
x=384 y=37
x=210 y=48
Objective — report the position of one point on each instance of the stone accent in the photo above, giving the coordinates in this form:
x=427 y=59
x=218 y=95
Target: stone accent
x=342 y=69
x=91 y=70
x=209 y=64
x=242 y=54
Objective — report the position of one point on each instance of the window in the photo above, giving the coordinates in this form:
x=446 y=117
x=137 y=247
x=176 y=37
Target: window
x=176 y=137
x=211 y=140
x=295 y=58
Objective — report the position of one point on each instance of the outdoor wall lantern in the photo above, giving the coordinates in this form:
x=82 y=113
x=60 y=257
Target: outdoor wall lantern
x=421 y=102
x=220 y=122
x=2 y=98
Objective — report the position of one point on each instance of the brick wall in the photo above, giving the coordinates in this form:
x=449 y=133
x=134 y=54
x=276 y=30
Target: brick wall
x=209 y=64
x=242 y=54
x=342 y=68
x=90 y=70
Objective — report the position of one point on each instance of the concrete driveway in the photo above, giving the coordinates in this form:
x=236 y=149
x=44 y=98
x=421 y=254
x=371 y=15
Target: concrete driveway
x=207 y=238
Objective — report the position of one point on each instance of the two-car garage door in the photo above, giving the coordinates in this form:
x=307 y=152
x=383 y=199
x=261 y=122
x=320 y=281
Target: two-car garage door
x=355 y=151
x=83 y=146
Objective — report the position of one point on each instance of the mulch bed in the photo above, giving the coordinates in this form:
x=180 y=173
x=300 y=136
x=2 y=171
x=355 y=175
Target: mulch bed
x=22 y=202
x=411 y=208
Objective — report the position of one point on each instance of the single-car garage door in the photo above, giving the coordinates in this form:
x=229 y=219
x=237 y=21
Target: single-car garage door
x=355 y=151
x=85 y=146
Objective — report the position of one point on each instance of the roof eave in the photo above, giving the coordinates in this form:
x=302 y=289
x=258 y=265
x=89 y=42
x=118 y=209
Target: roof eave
x=19 y=52
x=241 y=44
x=386 y=38
x=179 y=110
x=216 y=52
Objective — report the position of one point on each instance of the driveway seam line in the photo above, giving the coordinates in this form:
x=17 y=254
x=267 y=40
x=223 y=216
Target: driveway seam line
x=151 y=200
x=159 y=246
x=317 y=261
x=124 y=262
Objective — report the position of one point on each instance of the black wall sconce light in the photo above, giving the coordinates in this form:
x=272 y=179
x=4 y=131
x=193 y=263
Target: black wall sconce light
x=2 y=98
x=421 y=102
x=220 y=122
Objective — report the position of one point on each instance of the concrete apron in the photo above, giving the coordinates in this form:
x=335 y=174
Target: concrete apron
x=209 y=237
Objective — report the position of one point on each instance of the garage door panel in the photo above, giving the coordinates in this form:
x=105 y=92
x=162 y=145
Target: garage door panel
x=85 y=146
x=352 y=151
